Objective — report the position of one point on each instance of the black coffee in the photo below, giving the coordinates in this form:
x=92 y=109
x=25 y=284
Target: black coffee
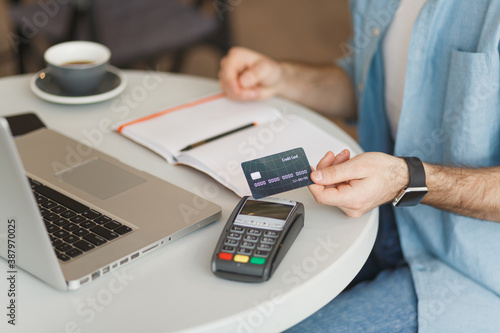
x=76 y=63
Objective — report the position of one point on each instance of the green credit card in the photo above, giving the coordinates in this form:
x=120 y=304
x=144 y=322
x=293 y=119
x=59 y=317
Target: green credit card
x=278 y=173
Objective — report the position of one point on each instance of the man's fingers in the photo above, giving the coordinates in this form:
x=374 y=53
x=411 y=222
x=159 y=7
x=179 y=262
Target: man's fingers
x=250 y=78
x=331 y=159
x=326 y=161
x=237 y=61
x=337 y=173
x=341 y=157
x=261 y=73
x=339 y=196
x=246 y=75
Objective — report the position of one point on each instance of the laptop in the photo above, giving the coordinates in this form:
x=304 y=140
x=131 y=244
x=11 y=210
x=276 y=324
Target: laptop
x=73 y=214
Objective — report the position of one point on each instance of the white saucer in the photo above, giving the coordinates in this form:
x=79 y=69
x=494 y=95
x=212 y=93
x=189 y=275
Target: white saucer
x=45 y=87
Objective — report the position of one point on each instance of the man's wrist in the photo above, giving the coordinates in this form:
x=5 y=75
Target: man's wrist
x=288 y=73
x=415 y=191
x=403 y=175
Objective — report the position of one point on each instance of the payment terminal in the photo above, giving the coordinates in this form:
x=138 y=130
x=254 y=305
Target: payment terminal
x=256 y=237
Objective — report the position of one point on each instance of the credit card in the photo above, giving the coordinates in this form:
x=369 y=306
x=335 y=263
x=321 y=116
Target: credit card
x=278 y=173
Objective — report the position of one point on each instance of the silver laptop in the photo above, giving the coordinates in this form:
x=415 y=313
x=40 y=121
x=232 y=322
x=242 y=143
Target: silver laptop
x=73 y=214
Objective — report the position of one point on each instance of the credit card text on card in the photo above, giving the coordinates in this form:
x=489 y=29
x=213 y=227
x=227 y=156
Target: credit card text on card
x=277 y=173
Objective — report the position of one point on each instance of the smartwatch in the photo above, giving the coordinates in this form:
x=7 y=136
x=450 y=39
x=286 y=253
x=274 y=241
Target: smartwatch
x=412 y=194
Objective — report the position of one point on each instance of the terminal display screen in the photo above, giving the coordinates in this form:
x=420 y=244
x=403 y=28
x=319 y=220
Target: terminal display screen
x=266 y=209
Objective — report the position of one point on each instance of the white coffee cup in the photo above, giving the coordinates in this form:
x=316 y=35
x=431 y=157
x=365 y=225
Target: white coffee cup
x=77 y=66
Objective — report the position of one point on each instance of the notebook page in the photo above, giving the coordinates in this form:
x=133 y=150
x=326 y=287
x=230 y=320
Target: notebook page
x=168 y=133
x=222 y=159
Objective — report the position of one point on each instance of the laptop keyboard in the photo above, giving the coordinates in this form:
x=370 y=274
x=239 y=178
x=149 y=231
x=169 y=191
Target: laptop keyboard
x=73 y=227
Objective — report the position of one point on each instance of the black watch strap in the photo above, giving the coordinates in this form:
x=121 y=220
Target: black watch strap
x=417 y=172
x=412 y=194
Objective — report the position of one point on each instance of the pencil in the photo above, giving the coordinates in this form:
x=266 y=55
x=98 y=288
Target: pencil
x=197 y=144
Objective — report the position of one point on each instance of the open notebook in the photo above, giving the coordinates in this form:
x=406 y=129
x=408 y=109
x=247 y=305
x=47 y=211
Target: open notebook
x=169 y=132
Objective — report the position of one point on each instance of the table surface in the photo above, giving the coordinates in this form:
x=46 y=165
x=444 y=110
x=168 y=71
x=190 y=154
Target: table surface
x=173 y=289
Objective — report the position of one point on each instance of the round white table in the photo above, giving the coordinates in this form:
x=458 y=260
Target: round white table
x=173 y=289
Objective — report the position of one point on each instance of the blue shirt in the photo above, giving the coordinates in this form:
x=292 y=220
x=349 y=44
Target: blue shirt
x=450 y=116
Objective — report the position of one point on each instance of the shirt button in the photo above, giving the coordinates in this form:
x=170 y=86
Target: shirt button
x=375 y=32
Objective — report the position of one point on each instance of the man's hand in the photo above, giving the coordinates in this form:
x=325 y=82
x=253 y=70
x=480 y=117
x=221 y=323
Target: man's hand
x=246 y=75
x=360 y=184
x=369 y=180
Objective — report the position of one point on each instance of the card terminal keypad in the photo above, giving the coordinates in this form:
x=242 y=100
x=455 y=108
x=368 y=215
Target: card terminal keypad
x=256 y=237
x=250 y=240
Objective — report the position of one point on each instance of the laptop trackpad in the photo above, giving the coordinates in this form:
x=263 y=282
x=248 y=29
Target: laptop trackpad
x=100 y=178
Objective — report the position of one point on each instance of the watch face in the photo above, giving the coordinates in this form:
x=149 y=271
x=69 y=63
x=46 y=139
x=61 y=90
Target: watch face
x=412 y=197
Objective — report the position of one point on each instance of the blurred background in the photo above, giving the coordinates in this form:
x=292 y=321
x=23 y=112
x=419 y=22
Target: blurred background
x=186 y=36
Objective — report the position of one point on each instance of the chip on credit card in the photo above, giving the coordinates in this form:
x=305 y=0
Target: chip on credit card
x=277 y=173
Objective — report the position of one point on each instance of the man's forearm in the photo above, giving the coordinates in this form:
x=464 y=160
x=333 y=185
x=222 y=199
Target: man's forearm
x=469 y=192
x=326 y=88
